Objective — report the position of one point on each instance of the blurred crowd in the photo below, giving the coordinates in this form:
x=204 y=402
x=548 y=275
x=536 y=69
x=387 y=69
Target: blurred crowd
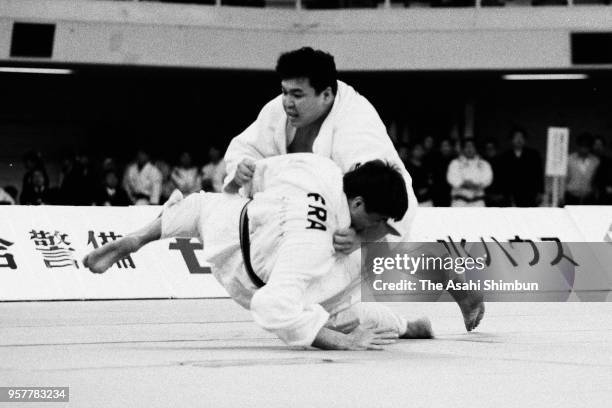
x=462 y=173
x=142 y=182
x=447 y=172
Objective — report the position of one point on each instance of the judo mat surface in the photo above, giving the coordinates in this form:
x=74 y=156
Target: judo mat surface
x=208 y=353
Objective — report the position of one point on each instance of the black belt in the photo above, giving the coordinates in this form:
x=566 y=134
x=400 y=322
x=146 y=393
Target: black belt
x=245 y=247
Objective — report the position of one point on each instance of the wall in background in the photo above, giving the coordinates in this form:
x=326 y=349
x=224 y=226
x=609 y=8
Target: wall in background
x=183 y=35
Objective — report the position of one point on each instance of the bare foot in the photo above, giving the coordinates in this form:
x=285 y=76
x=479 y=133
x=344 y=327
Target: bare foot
x=418 y=329
x=472 y=308
x=102 y=258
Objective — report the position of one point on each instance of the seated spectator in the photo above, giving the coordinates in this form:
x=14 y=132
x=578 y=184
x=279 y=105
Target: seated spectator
x=603 y=176
x=167 y=184
x=32 y=161
x=494 y=196
x=77 y=183
x=214 y=171
x=421 y=175
x=110 y=192
x=143 y=181
x=439 y=162
x=522 y=177
x=469 y=175
x=581 y=168
x=429 y=145
x=6 y=198
x=39 y=194
x=108 y=164
x=185 y=175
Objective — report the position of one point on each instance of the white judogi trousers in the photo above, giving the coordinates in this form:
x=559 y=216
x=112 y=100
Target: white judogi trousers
x=296 y=301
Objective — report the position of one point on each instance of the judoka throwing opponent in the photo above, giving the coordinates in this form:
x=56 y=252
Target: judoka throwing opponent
x=317 y=113
x=274 y=254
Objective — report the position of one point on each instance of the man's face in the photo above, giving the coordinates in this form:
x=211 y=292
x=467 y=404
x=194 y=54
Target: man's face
x=469 y=150
x=38 y=179
x=111 y=180
x=142 y=158
x=418 y=152
x=185 y=160
x=302 y=104
x=360 y=219
x=598 y=147
x=518 y=140
x=446 y=148
x=584 y=150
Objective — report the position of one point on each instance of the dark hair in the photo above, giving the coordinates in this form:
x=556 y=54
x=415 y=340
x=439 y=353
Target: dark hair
x=316 y=65
x=381 y=186
x=490 y=140
x=519 y=129
x=465 y=140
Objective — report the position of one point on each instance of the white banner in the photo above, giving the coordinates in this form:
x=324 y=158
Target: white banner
x=41 y=248
x=41 y=252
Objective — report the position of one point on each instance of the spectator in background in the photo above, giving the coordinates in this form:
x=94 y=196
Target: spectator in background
x=110 y=192
x=494 y=196
x=77 y=183
x=6 y=198
x=32 y=161
x=439 y=162
x=469 y=175
x=214 y=171
x=167 y=184
x=522 y=178
x=421 y=175
x=429 y=145
x=143 y=181
x=39 y=194
x=108 y=164
x=185 y=176
x=581 y=167
x=603 y=176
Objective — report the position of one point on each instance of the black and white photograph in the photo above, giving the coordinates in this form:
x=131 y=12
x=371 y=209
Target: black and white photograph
x=306 y=203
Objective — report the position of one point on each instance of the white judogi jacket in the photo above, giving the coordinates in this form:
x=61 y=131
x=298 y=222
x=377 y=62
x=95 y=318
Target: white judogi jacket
x=298 y=204
x=476 y=170
x=146 y=182
x=352 y=133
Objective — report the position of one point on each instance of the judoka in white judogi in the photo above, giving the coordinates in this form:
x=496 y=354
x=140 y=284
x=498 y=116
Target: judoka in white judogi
x=352 y=133
x=298 y=203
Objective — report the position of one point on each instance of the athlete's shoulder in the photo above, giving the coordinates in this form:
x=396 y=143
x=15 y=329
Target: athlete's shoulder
x=272 y=110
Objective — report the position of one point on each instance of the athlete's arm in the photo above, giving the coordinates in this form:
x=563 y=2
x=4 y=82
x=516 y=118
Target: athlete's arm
x=254 y=143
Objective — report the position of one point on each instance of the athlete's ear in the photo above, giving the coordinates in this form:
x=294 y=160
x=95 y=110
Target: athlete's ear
x=328 y=95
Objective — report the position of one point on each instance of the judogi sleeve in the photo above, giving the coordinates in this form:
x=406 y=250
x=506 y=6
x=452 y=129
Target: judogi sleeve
x=485 y=176
x=256 y=142
x=453 y=174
